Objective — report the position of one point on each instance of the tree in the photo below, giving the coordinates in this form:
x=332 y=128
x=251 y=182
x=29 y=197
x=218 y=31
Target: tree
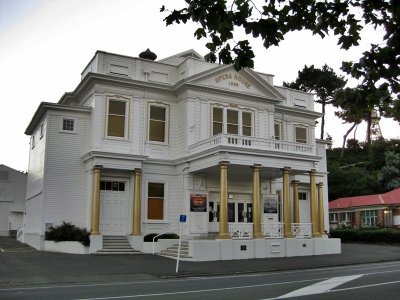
x=377 y=69
x=389 y=176
x=324 y=82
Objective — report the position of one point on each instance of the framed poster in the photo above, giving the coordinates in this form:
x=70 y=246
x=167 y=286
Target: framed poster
x=198 y=202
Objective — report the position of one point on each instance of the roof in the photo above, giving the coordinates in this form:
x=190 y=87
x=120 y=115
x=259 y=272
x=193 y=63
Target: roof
x=389 y=198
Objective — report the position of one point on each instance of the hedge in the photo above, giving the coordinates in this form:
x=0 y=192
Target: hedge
x=149 y=237
x=367 y=235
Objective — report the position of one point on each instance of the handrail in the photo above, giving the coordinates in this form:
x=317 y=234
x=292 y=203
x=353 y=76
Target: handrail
x=168 y=231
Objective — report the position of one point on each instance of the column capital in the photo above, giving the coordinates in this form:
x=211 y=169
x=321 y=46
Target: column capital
x=224 y=163
x=295 y=182
x=137 y=171
x=321 y=184
x=256 y=166
x=286 y=169
x=312 y=172
x=97 y=168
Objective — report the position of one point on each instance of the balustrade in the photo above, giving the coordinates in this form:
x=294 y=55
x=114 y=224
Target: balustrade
x=241 y=230
x=301 y=230
x=273 y=230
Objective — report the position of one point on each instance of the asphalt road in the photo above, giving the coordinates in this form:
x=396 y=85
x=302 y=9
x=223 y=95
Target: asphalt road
x=365 y=281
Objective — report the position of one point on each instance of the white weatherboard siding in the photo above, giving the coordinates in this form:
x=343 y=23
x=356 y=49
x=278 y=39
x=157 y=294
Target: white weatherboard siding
x=65 y=173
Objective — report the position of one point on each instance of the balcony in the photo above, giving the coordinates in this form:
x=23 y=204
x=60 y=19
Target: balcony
x=251 y=143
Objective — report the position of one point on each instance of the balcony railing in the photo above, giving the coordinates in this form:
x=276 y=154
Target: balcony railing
x=241 y=230
x=301 y=230
x=247 y=142
x=273 y=230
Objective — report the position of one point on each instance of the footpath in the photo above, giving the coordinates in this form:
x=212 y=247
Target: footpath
x=23 y=265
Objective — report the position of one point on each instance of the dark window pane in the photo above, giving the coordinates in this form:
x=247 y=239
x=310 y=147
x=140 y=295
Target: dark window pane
x=246 y=131
x=102 y=185
x=156 y=190
x=116 y=126
x=217 y=114
x=233 y=116
x=217 y=128
x=121 y=186
x=155 y=209
x=157 y=113
x=233 y=129
x=117 y=108
x=246 y=119
x=157 y=131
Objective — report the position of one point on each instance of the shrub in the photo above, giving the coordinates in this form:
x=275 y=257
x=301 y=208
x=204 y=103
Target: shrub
x=149 y=237
x=68 y=232
x=367 y=235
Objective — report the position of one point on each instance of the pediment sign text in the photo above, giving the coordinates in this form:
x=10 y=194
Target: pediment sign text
x=233 y=79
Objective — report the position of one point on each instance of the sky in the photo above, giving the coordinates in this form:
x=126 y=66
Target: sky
x=45 y=45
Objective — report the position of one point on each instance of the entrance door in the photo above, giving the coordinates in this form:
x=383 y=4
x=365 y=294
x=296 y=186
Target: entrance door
x=239 y=211
x=113 y=207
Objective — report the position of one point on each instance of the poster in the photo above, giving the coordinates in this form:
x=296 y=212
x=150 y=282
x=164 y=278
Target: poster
x=270 y=204
x=198 y=202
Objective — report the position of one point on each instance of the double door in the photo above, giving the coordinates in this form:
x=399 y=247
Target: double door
x=239 y=211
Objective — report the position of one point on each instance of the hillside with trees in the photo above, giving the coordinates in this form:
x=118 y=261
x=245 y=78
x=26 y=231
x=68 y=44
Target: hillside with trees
x=363 y=171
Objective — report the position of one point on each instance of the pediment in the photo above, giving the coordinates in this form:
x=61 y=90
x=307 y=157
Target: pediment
x=244 y=82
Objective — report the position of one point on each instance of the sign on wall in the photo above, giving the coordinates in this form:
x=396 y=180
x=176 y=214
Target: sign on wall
x=270 y=204
x=198 y=202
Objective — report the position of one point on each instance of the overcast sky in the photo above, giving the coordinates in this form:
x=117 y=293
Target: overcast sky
x=45 y=44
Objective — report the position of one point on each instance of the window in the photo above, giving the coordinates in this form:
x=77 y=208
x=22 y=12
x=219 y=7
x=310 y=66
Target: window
x=277 y=131
x=155 y=201
x=232 y=121
x=217 y=120
x=301 y=135
x=116 y=122
x=246 y=123
x=345 y=217
x=333 y=217
x=107 y=185
x=41 y=130
x=302 y=196
x=157 y=123
x=369 y=217
x=68 y=125
x=32 y=141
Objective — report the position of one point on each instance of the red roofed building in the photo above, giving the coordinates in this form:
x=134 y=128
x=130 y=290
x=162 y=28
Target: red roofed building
x=369 y=210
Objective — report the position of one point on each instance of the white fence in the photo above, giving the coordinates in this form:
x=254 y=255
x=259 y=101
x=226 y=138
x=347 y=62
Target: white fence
x=241 y=230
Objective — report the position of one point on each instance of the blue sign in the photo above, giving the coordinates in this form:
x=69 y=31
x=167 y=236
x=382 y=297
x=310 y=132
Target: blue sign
x=182 y=218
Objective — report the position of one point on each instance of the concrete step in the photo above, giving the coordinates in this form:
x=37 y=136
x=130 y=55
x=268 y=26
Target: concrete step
x=172 y=252
x=116 y=245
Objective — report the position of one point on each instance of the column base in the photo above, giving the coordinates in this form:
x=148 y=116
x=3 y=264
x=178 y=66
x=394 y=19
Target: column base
x=94 y=232
x=258 y=236
x=223 y=237
x=288 y=236
x=135 y=233
x=317 y=234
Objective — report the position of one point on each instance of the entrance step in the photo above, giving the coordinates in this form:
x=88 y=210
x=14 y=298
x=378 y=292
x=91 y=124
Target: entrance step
x=172 y=252
x=116 y=245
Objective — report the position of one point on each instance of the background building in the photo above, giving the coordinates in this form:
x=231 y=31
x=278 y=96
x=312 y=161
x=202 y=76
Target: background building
x=371 y=210
x=12 y=200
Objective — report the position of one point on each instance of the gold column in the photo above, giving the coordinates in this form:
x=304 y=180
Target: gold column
x=287 y=230
x=321 y=207
x=296 y=214
x=136 y=203
x=96 y=200
x=256 y=203
x=314 y=205
x=223 y=210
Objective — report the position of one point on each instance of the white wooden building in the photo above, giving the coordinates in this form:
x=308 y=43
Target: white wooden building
x=12 y=200
x=140 y=142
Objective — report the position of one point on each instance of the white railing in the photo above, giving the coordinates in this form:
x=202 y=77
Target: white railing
x=241 y=230
x=248 y=142
x=273 y=230
x=165 y=232
x=301 y=230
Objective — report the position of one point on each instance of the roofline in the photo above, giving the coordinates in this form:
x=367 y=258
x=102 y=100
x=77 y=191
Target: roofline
x=44 y=106
x=310 y=113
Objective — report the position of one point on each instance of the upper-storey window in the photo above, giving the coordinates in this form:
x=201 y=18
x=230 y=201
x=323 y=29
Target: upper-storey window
x=68 y=124
x=231 y=121
x=158 y=119
x=217 y=120
x=33 y=141
x=41 y=130
x=117 y=118
x=301 y=135
x=277 y=131
x=246 y=123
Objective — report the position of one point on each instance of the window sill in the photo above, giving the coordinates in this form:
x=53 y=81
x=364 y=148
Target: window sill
x=157 y=143
x=68 y=132
x=155 y=222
